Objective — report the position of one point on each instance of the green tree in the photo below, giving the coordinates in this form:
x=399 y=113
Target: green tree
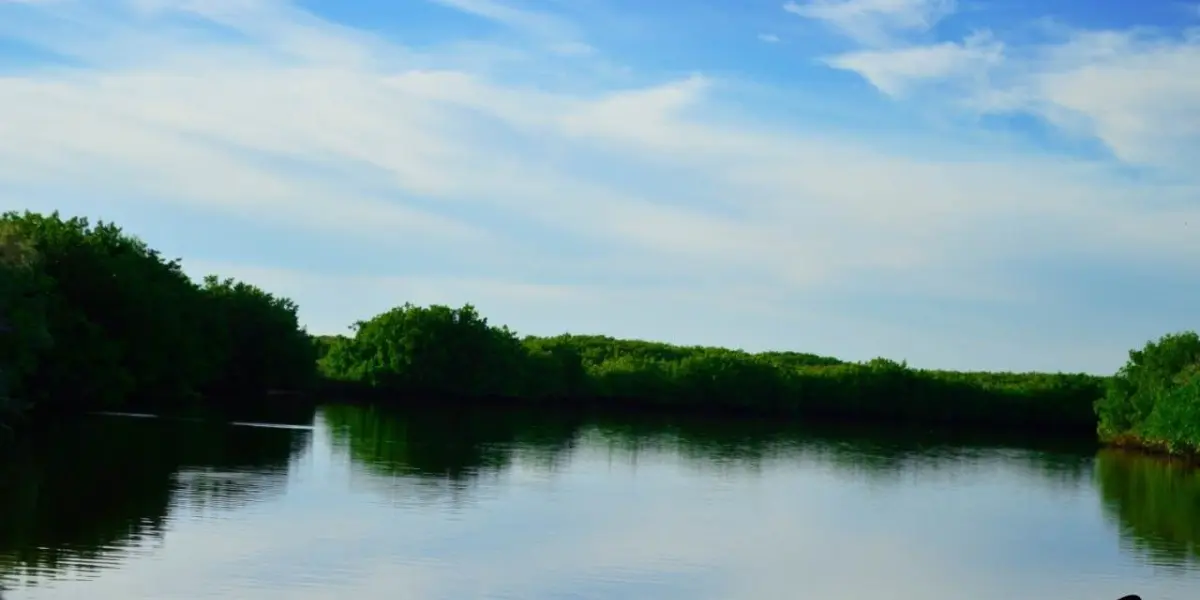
x=1154 y=400
x=123 y=317
x=436 y=350
x=23 y=332
x=93 y=318
x=256 y=338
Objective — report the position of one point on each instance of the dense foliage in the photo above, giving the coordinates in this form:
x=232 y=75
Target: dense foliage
x=450 y=354
x=92 y=318
x=23 y=329
x=1154 y=400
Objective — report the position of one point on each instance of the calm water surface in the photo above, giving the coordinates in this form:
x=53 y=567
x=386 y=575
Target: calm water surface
x=362 y=504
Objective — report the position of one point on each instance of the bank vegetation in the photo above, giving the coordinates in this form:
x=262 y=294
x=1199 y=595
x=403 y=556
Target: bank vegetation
x=91 y=318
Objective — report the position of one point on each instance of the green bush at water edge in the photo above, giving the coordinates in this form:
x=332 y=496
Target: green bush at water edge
x=1154 y=400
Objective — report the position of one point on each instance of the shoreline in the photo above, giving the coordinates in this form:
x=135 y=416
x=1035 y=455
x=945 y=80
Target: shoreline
x=164 y=341
x=336 y=392
x=1189 y=457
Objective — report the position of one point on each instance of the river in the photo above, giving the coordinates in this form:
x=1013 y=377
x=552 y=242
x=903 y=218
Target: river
x=352 y=503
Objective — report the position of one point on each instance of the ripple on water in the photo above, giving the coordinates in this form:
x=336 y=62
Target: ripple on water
x=371 y=505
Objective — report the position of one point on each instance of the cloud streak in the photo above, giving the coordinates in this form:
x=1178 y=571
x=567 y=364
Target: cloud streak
x=1130 y=89
x=562 y=35
x=875 y=22
x=417 y=160
x=896 y=71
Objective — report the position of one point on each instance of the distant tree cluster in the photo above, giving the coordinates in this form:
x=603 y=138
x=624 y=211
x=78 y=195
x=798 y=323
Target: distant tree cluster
x=444 y=354
x=91 y=318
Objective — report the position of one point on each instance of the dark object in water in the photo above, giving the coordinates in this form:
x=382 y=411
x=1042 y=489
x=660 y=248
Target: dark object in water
x=1130 y=597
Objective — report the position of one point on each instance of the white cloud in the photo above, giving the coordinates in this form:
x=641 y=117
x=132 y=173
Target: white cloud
x=769 y=38
x=563 y=36
x=329 y=130
x=1133 y=90
x=874 y=22
x=895 y=71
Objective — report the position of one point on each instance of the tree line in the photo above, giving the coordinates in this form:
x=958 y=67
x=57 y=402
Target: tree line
x=91 y=318
x=437 y=352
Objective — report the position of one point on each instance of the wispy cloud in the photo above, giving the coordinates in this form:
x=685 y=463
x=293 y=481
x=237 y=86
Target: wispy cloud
x=769 y=38
x=1134 y=90
x=562 y=35
x=895 y=71
x=1130 y=89
x=435 y=170
x=874 y=22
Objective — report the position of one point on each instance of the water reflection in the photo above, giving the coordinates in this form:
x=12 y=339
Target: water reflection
x=1157 y=504
x=504 y=504
x=86 y=496
x=876 y=453
x=460 y=447
x=452 y=445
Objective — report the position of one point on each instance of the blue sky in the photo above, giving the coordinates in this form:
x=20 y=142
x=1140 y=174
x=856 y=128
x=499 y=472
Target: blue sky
x=1002 y=184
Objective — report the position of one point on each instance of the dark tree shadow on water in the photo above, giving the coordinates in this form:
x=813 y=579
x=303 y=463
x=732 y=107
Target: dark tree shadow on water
x=425 y=454
x=437 y=455
x=83 y=497
x=1155 y=503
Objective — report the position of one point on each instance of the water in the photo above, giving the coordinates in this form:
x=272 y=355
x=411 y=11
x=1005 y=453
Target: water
x=360 y=504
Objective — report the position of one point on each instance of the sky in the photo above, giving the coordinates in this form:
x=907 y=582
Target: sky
x=962 y=184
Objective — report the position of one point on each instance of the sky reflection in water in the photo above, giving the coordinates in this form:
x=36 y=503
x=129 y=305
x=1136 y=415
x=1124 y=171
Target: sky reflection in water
x=368 y=505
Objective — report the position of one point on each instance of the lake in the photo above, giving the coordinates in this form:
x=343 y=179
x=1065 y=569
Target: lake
x=351 y=502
